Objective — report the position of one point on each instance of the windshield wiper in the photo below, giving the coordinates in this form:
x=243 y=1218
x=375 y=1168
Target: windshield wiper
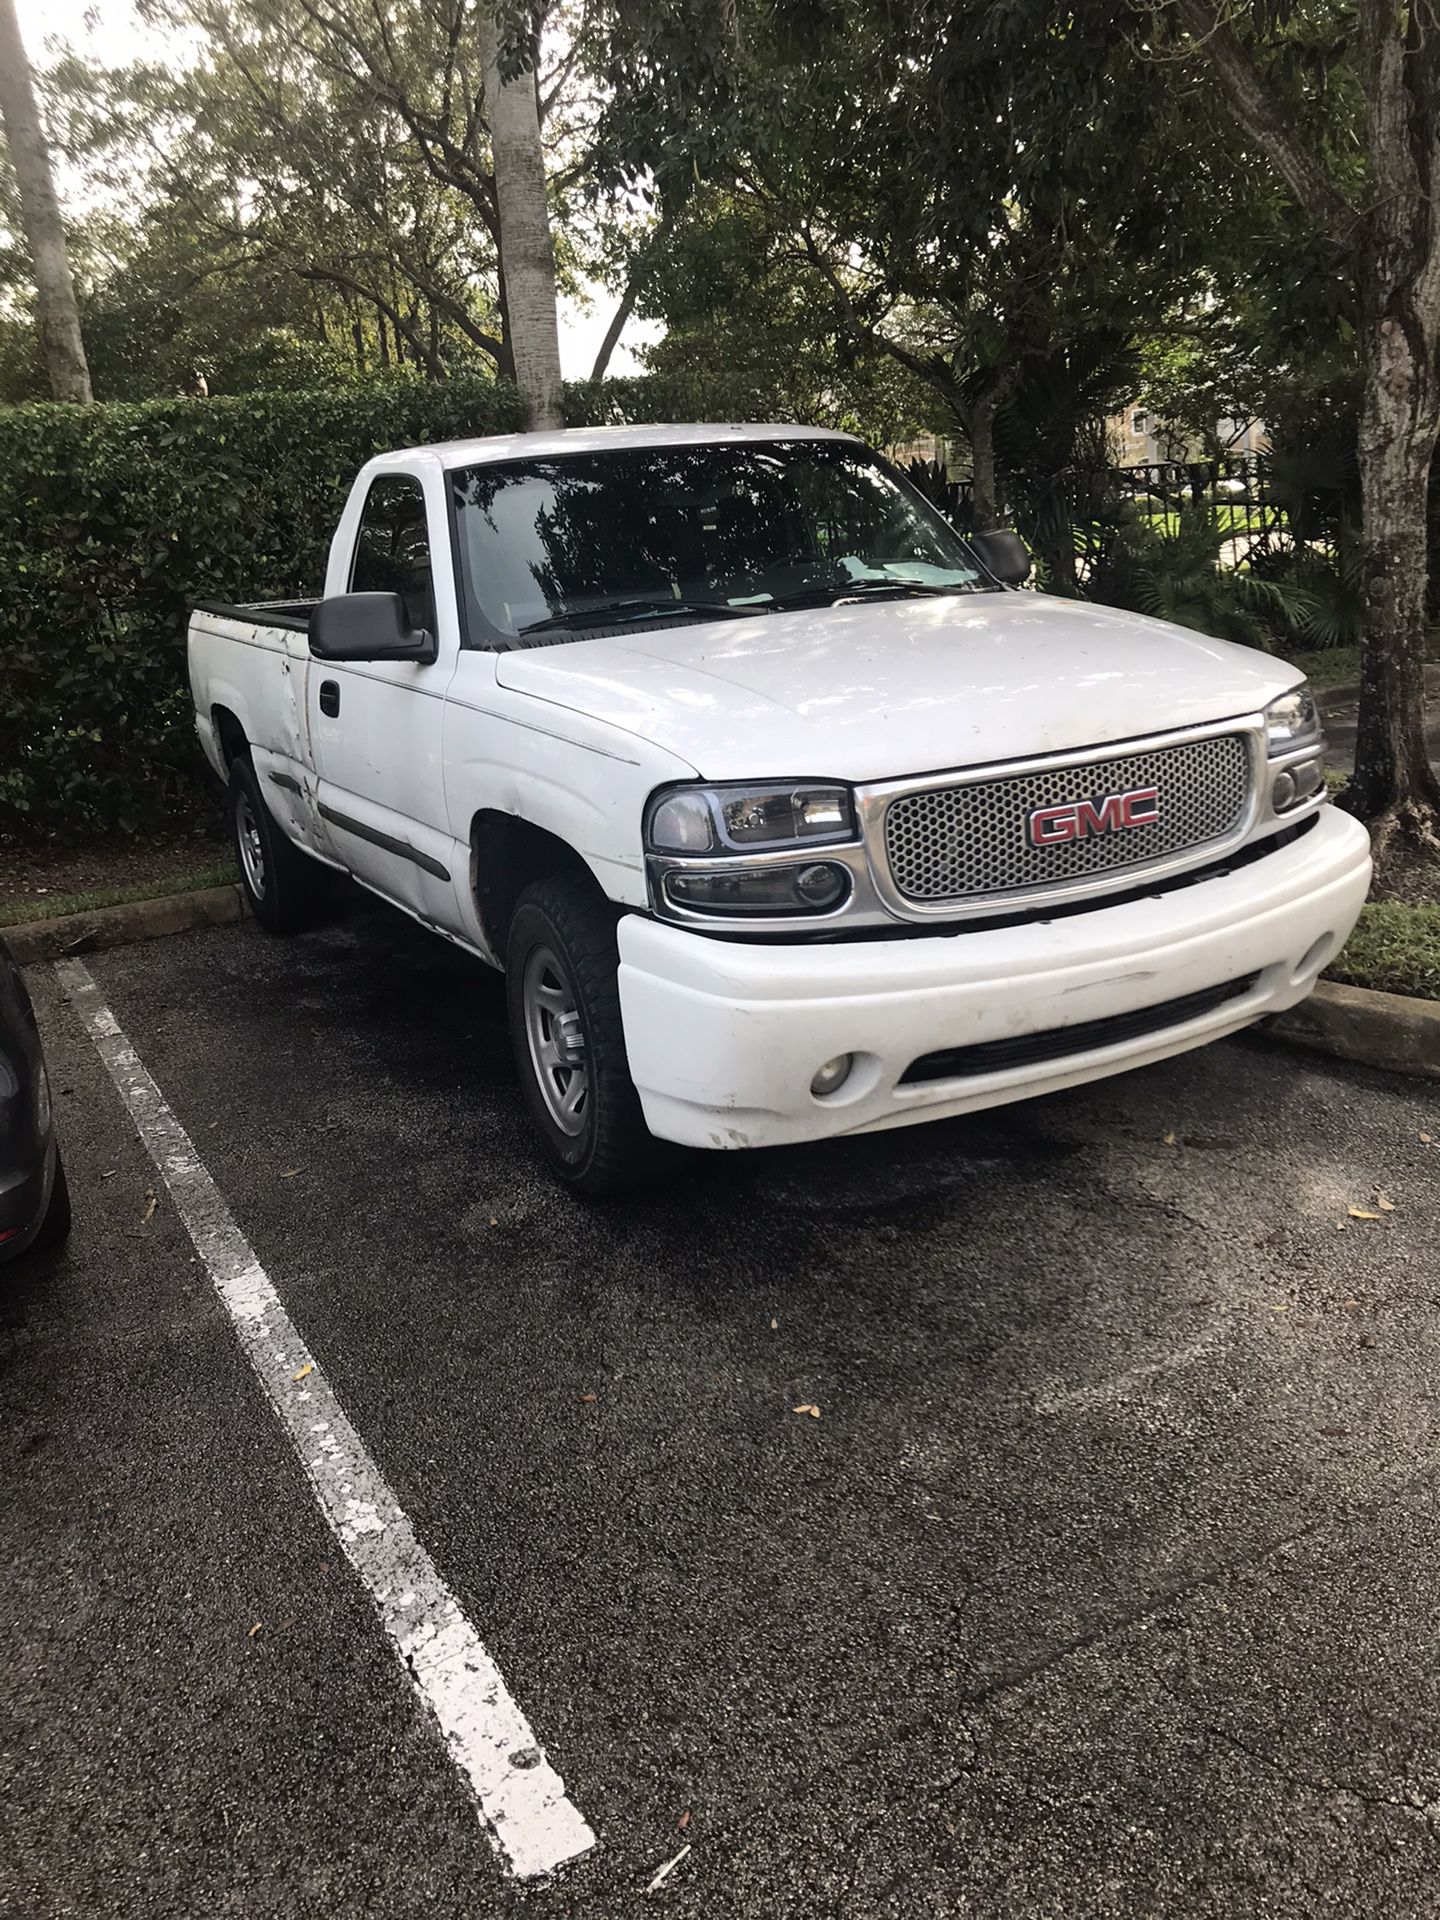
x=832 y=595
x=639 y=609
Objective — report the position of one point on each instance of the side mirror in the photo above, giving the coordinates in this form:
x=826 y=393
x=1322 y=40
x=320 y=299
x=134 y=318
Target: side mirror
x=1004 y=554
x=367 y=626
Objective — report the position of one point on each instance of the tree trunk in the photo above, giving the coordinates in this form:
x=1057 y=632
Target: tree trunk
x=618 y=322
x=980 y=430
x=1394 y=784
x=528 y=259
x=60 y=342
x=975 y=408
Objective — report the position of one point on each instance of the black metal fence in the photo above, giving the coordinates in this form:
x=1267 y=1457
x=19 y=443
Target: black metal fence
x=1082 y=508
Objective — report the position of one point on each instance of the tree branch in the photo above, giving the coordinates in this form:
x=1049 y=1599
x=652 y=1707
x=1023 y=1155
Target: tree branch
x=626 y=306
x=1262 y=115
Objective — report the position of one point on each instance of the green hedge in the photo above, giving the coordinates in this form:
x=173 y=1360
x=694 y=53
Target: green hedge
x=115 y=518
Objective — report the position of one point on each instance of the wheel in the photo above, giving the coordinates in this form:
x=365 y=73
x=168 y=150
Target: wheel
x=282 y=886
x=55 y=1227
x=564 y=1001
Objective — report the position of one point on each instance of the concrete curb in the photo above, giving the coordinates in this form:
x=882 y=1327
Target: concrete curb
x=1387 y=1030
x=118 y=926
x=1333 y=700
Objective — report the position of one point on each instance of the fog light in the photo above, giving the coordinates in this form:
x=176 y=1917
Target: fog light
x=833 y=1075
x=1282 y=794
x=822 y=885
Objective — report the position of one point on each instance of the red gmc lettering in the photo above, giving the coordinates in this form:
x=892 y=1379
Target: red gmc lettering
x=1078 y=819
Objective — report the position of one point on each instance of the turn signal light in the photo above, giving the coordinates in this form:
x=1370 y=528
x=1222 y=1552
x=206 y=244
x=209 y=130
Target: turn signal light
x=1297 y=783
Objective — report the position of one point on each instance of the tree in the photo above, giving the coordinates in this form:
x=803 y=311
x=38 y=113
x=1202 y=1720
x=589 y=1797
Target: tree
x=752 y=333
x=1382 y=217
x=981 y=195
x=527 y=256
x=61 y=344
x=321 y=169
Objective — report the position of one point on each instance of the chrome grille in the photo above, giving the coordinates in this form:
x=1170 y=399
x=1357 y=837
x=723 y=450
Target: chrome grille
x=954 y=843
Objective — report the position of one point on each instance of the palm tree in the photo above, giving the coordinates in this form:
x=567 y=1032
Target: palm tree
x=60 y=342
x=527 y=257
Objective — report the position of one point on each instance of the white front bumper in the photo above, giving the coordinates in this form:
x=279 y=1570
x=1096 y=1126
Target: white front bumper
x=724 y=1036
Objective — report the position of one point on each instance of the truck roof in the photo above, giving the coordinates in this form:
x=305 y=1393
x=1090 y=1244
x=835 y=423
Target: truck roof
x=450 y=454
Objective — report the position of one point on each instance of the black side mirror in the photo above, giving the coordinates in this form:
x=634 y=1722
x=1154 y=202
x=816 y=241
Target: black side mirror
x=367 y=626
x=1004 y=554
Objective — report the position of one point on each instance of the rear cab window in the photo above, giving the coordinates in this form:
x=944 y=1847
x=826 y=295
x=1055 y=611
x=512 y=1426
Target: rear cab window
x=392 y=547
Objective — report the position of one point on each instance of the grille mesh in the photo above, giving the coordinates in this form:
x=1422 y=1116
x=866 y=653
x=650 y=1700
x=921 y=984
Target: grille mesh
x=954 y=843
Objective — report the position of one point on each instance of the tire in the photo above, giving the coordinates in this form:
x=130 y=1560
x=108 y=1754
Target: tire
x=563 y=995
x=55 y=1227
x=283 y=888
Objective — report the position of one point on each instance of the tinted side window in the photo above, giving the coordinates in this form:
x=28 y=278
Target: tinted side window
x=392 y=549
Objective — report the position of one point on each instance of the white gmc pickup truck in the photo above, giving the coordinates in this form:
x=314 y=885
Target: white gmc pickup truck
x=785 y=812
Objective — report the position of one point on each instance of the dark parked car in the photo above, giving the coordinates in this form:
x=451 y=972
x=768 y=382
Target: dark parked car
x=34 y=1199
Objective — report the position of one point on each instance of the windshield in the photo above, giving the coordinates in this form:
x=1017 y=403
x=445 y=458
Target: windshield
x=568 y=542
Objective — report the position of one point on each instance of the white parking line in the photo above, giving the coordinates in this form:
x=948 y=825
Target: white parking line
x=520 y=1797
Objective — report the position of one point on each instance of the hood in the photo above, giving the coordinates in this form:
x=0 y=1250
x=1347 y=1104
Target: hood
x=862 y=693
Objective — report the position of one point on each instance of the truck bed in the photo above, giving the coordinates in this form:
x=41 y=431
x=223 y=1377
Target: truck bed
x=292 y=614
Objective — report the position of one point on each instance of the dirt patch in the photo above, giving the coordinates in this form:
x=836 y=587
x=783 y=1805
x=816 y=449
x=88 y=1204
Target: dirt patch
x=47 y=871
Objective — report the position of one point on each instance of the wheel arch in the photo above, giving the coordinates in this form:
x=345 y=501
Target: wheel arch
x=509 y=853
x=230 y=732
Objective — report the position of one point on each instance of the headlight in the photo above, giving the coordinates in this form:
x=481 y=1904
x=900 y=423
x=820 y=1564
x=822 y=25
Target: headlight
x=1292 y=722
x=739 y=819
x=787 y=887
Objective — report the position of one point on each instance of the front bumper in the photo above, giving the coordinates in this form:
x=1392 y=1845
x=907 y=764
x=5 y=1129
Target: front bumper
x=724 y=1036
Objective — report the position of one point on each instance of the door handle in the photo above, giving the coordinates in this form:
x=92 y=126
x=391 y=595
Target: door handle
x=330 y=697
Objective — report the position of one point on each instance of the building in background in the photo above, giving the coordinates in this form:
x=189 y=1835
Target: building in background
x=1140 y=440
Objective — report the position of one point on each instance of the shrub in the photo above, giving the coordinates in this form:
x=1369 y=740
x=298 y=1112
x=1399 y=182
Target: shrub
x=115 y=518
x=1178 y=571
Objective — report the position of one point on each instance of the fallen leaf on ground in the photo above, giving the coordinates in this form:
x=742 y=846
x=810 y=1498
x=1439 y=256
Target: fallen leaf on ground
x=1169 y=1140
x=1427 y=1139
x=301 y=1372
x=588 y=1399
x=1359 y=1213
x=150 y=1205
x=1384 y=1203
x=110 y=1172
x=494 y=1222
x=1284 y=1307
x=684 y=1820
x=773 y=1325
x=255 y=1629
x=289 y=1173
x=806 y=1407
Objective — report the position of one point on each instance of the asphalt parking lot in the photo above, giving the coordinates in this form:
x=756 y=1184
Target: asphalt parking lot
x=1105 y=1582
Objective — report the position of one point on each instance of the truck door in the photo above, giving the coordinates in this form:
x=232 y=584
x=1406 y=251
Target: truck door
x=376 y=725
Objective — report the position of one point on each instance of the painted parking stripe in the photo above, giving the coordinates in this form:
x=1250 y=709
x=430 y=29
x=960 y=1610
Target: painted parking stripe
x=520 y=1797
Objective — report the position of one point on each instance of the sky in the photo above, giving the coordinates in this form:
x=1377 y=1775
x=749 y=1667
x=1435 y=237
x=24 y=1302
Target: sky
x=110 y=32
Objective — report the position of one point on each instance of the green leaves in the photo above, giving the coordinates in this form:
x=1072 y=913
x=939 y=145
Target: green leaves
x=115 y=519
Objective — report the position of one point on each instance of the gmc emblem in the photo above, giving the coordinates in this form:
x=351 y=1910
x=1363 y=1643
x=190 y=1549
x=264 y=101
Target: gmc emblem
x=1078 y=819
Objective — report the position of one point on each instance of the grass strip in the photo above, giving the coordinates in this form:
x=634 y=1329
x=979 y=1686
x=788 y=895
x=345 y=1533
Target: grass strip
x=52 y=906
